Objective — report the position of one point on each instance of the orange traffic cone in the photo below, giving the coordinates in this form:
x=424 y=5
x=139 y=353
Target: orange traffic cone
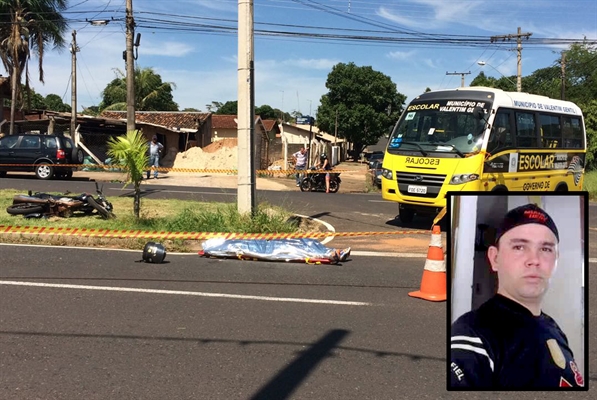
x=433 y=284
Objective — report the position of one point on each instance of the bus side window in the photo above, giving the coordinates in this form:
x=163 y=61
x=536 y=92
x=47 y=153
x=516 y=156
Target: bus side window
x=526 y=132
x=501 y=133
x=551 y=134
x=572 y=133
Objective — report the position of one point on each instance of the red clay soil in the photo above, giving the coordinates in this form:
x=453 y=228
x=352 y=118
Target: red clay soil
x=215 y=146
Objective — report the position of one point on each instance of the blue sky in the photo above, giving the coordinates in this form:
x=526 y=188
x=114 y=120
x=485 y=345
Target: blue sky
x=290 y=72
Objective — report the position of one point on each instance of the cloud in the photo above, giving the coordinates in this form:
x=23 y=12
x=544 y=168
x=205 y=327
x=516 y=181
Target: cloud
x=319 y=64
x=426 y=14
x=401 y=55
x=168 y=49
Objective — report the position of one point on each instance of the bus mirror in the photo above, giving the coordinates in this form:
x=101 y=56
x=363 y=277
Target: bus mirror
x=479 y=113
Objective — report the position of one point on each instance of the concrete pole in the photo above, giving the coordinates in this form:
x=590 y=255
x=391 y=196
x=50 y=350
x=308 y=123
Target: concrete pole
x=246 y=109
x=73 y=93
x=130 y=68
x=519 y=61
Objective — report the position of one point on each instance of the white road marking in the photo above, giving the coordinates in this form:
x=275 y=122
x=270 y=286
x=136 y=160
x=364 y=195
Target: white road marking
x=387 y=254
x=181 y=191
x=185 y=293
x=330 y=228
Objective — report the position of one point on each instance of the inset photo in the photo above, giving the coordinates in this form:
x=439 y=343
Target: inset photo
x=517 y=296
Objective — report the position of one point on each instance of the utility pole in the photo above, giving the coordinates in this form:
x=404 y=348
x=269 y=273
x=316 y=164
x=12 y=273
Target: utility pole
x=130 y=67
x=73 y=85
x=462 y=74
x=336 y=130
x=519 y=35
x=246 y=109
x=563 y=86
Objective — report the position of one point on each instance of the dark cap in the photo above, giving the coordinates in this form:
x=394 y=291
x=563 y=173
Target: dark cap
x=527 y=214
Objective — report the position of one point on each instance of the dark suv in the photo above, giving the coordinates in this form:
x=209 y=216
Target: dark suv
x=37 y=153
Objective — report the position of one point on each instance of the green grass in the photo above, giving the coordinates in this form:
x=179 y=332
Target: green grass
x=590 y=184
x=156 y=215
x=165 y=215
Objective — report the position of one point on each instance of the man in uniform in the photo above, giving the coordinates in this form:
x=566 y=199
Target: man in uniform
x=508 y=342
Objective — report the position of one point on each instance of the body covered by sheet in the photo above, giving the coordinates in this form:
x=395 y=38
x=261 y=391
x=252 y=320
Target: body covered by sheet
x=288 y=250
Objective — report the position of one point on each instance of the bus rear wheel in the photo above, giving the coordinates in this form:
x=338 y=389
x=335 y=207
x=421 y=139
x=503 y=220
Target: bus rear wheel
x=562 y=187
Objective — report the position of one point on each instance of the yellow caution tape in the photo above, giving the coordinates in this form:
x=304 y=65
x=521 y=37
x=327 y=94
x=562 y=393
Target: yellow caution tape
x=439 y=216
x=124 y=169
x=121 y=234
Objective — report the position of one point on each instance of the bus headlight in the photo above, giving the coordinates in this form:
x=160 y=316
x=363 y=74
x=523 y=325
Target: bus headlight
x=463 y=178
x=386 y=173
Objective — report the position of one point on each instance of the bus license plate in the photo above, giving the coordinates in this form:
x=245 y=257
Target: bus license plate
x=417 y=189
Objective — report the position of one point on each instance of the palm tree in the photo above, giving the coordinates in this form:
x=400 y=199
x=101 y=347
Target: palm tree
x=25 y=26
x=151 y=94
x=130 y=152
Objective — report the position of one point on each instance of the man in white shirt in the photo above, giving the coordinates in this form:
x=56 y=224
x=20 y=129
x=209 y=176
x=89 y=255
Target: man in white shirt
x=300 y=163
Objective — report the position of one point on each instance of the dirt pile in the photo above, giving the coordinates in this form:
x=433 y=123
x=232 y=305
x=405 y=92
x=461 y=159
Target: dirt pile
x=222 y=154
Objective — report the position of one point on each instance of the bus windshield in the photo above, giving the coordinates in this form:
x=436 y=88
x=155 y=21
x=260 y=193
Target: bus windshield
x=439 y=129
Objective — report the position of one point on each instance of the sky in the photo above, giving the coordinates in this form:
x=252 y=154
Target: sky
x=193 y=44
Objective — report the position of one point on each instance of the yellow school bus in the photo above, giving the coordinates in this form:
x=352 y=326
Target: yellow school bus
x=481 y=139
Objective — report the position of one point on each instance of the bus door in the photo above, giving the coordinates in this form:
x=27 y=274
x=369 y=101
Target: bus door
x=502 y=158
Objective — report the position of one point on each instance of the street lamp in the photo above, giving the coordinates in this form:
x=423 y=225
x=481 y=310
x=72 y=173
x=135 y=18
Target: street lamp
x=483 y=63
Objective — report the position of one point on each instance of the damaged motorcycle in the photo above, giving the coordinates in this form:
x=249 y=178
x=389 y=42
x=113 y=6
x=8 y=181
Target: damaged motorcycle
x=37 y=205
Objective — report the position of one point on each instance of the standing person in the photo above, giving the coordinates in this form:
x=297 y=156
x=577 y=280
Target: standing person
x=324 y=163
x=300 y=163
x=155 y=148
x=508 y=342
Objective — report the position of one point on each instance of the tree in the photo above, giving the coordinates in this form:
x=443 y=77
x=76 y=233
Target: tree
x=130 y=152
x=590 y=112
x=31 y=100
x=92 y=110
x=54 y=102
x=214 y=106
x=266 y=112
x=504 y=83
x=190 y=109
x=151 y=94
x=365 y=103
x=228 y=108
x=25 y=26
x=581 y=74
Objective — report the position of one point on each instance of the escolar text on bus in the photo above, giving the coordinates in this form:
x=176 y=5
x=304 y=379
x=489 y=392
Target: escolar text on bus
x=422 y=161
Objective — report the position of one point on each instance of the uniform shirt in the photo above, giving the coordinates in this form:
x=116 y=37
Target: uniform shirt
x=301 y=159
x=503 y=345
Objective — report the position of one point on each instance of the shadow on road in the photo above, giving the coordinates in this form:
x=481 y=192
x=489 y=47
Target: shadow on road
x=286 y=381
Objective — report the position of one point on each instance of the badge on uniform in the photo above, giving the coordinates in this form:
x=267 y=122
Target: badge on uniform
x=556 y=353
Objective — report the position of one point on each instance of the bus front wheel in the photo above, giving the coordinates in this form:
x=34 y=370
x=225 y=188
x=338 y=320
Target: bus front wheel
x=562 y=187
x=500 y=188
x=406 y=215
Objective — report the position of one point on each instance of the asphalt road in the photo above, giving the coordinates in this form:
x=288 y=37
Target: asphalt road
x=95 y=324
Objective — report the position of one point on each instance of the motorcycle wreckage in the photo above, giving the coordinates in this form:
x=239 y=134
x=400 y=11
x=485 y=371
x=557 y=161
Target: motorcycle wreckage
x=316 y=182
x=37 y=205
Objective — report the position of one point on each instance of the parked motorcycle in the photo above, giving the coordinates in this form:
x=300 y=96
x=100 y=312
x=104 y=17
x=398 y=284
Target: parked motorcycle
x=316 y=182
x=44 y=204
